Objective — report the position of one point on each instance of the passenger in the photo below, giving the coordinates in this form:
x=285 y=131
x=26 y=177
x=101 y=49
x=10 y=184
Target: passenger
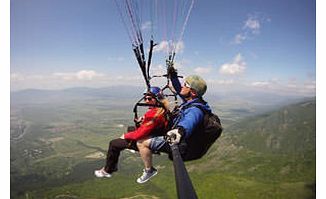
x=153 y=123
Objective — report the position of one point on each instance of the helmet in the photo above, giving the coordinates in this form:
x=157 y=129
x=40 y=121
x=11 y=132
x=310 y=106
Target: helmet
x=197 y=83
x=154 y=91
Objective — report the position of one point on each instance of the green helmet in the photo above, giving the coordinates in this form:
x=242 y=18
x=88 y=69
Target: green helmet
x=197 y=83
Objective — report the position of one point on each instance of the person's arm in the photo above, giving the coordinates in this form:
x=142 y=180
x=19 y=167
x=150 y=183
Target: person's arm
x=173 y=75
x=150 y=123
x=192 y=117
x=176 y=83
x=141 y=132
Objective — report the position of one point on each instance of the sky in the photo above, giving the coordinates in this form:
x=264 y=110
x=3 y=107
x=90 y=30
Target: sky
x=244 y=45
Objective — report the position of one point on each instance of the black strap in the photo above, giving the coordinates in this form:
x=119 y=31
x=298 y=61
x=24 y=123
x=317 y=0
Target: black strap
x=197 y=104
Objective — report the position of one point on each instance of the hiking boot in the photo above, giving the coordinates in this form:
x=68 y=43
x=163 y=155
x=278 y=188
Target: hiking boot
x=147 y=174
x=102 y=173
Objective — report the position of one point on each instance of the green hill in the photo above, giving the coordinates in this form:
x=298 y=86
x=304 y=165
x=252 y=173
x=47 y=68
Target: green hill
x=267 y=156
x=290 y=130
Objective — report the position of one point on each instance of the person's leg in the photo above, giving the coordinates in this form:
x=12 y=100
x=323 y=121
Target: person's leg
x=112 y=157
x=145 y=153
x=146 y=147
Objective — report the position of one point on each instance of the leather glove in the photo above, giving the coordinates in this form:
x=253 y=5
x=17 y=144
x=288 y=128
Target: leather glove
x=172 y=72
x=173 y=136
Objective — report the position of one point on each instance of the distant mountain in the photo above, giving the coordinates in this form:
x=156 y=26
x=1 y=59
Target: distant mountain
x=245 y=102
x=260 y=100
x=78 y=93
x=290 y=130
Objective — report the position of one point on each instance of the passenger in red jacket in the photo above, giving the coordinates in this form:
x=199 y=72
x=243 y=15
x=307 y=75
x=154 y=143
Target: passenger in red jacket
x=153 y=123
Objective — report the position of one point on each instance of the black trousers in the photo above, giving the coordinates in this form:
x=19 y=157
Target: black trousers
x=115 y=147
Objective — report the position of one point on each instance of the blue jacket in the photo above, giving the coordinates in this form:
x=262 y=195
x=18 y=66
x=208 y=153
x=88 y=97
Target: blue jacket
x=189 y=116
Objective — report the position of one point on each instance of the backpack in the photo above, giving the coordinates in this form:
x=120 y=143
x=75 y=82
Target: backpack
x=197 y=145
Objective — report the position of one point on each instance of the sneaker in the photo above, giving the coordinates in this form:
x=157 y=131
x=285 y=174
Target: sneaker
x=147 y=175
x=131 y=150
x=102 y=173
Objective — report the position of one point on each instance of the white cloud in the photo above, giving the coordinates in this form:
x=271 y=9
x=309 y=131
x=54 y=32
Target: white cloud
x=290 y=88
x=157 y=69
x=252 y=24
x=274 y=85
x=236 y=67
x=161 y=47
x=87 y=78
x=239 y=38
x=261 y=84
x=225 y=82
x=160 y=69
x=165 y=46
x=80 y=75
x=86 y=75
x=251 y=27
x=203 y=70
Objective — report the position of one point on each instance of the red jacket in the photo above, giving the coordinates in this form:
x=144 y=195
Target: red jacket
x=153 y=121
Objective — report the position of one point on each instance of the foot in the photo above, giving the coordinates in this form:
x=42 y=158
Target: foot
x=131 y=150
x=147 y=174
x=102 y=173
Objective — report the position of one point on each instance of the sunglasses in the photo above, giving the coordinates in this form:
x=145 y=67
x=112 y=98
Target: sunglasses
x=186 y=85
x=148 y=98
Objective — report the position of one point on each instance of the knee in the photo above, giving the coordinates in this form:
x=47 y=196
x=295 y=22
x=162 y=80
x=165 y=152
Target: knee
x=143 y=144
x=112 y=143
x=116 y=143
x=140 y=144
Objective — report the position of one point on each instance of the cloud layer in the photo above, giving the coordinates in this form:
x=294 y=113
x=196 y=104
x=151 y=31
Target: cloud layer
x=80 y=75
x=236 y=67
x=60 y=80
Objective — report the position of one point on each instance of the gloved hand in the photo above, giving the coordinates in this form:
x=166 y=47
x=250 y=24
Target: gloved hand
x=173 y=136
x=172 y=72
x=138 y=121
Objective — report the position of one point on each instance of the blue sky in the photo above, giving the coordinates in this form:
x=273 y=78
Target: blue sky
x=234 y=45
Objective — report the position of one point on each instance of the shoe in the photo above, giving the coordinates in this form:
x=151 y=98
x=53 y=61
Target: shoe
x=147 y=175
x=102 y=173
x=131 y=150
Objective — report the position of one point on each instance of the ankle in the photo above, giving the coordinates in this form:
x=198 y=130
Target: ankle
x=150 y=169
